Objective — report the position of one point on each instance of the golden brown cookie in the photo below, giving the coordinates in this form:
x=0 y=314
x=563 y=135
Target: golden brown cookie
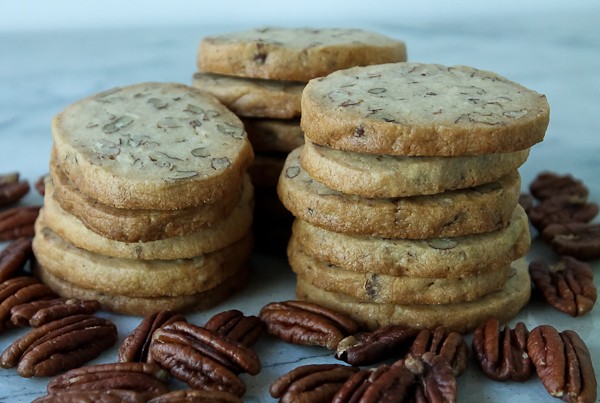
x=274 y=135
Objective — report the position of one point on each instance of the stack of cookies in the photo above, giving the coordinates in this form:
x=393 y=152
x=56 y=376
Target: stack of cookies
x=148 y=206
x=260 y=74
x=406 y=194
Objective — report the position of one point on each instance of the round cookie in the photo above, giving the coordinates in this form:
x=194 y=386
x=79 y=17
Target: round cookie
x=265 y=169
x=274 y=135
x=461 y=317
x=448 y=214
x=252 y=97
x=371 y=175
x=422 y=110
x=209 y=239
x=439 y=257
x=386 y=289
x=296 y=54
x=152 y=146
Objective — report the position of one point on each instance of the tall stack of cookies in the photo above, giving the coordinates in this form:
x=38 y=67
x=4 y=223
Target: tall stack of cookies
x=260 y=74
x=148 y=206
x=406 y=194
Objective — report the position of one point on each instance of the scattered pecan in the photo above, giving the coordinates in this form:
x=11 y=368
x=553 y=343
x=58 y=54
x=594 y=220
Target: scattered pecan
x=40 y=184
x=301 y=322
x=135 y=346
x=237 y=327
x=579 y=240
x=59 y=345
x=434 y=374
x=311 y=383
x=18 y=222
x=17 y=291
x=560 y=210
x=367 y=348
x=201 y=358
x=450 y=345
x=526 y=201
x=502 y=355
x=567 y=285
x=11 y=189
x=548 y=185
x=198 y=396
x=94 y=396
x=14 y=257
x=38 y=313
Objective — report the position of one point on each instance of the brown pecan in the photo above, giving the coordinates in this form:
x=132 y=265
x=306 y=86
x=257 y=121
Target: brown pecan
x=548 y=185
x=237 y=327
x=526 y=201
x=434 y=375
x=502 y=355
x=367 y=348
x=40 y=184
x=14 y=257
x=18 y=222
x=198 y=396
x=38 y=313
x=11 y=189
x=311 y=383
x=450 y=345
x=135 y=346
x=560 y=210
x=579 y=240
x=59 y=345
x=567 y=285
x=17 y=291
x=95 y=396
x=201 y=358
x=301 y=322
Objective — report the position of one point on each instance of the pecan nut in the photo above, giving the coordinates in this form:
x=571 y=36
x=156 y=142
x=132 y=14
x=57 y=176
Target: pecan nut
x=548 y=185
x=301 y=322
x=237 y=327
x=11 y=189
x=435 y=379
x=94 y=396
x=38 y=313
x=568 y=285
x=367 y=348
x=502 y=355
x=560 y=210
x=18 y=222
x=135 y=346
x=14 y=257
x=198 y=396
x=450 y=345
x=17 y=291
x=579 y=240
x=526 y=201
x=311 y=383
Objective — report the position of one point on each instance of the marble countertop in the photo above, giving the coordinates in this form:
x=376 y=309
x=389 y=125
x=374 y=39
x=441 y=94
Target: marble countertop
x=553 y=51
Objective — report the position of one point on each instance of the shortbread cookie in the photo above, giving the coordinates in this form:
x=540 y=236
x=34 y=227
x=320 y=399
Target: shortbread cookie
x=462 y=317
x=439 y=257
x=422 y=109
x=252 y=97
x=152 y=146
x=371 y=175
x=278 y=135
x=143 y=306
x=208 y=239
x=448 y=214
x=386 y=289
x=265 y=169
x=137 y=278
x=296 y=54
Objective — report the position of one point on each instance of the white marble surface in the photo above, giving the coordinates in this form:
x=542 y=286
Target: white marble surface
x=555 y=51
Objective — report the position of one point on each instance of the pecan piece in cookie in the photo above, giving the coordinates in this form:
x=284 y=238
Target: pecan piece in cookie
x=11 y=189
x=17 y=291
x=38 y=313
x=18 y=222
x=14 y=257
x=548 y=185
x=579 y=240
x=567 y=285
x=450 y=345
x=301 y=322
x=237 y=327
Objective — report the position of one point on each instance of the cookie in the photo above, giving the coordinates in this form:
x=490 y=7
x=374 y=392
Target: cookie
x=371 y=175
x=209 y=239
x=265 y=169
x=152 y=146
x=386 y=289
x=438 y=258
x=422 y=110
x=251 y=97
x=461 y=317
x=296 y=54
x=274 y=135
x=449 y=214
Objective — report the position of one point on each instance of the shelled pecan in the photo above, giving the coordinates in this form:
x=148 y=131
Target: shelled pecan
x=14 y=257
x=579 y=240
x=301 y=322
x=548 y=185
x=17 y=291
x=311 y=383
x=18 y=222
x=201 y=358
x=560 y=210
x=38 y=313
x=196 y=396
x=437 y=383
x=11 y=189
x=135 y=346
x=95 y=396
x=567 y=285
x=367 y=348
x=59 y=345
x=450 y=345
x=236 y=326
x=502 y=355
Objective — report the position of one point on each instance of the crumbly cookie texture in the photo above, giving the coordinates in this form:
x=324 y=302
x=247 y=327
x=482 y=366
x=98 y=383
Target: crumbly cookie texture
x=151 y=146
x=297 y=54
x=422 y=109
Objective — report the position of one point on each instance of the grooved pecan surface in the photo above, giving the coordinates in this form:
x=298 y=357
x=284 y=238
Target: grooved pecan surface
x=450 y=345
x=11 y=189
x=14 y=257
x=196 y=396
x=17 y=291
x=548 y=185
x=579 y=240
x=39 y=312
x=18 y=222
x=236 y=326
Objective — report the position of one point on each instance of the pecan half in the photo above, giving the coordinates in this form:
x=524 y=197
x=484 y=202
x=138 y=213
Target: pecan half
x=38 y=313
x=367 y=348
x=548 y=185
x=135 y=347
x=301 y=322
x=434 y=374
x=311 y=383
x=11 y=189
x=237 y=327
x=560 y=210
x=94 y=396
x=502 y=355
x=17 y=291
x=197 y=396
x=579 y=240
x=14 y=257
x=567 y=285
x=18 y=222
x=450 y=345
